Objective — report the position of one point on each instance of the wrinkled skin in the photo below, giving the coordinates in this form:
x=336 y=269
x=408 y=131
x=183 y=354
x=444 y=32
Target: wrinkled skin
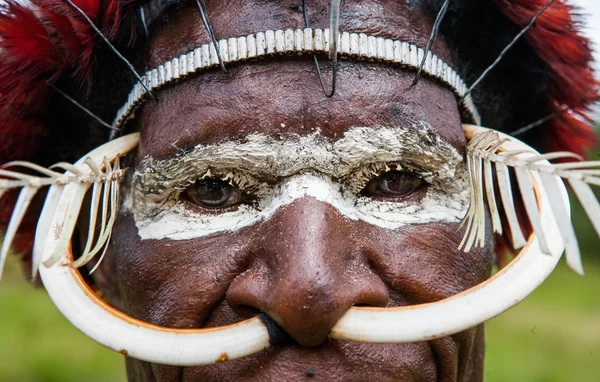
x=307 y=265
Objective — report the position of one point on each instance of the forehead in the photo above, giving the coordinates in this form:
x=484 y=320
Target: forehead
x=179 y=28
x=282 y=95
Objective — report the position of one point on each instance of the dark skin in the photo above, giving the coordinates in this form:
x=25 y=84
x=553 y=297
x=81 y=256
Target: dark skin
x=307 y=265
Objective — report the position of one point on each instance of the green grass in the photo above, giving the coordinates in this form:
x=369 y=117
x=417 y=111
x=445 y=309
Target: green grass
x=553 y=336
x=38 y=345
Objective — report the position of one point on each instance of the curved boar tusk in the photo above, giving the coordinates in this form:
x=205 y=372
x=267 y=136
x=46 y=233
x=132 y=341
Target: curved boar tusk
x=111 y=328
x=138 y=339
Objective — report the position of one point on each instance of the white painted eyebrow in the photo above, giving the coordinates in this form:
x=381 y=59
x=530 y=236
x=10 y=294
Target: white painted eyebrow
x=418 y=147
x=179 y=223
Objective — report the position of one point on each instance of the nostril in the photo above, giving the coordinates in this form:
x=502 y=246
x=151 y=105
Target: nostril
x=246 y=311
x=372 y=293
x=377 y=301
x=376 y=297
x=277 y=335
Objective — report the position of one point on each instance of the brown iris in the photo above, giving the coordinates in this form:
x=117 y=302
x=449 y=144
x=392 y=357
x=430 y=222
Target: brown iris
x=213 y=193
x=393 y=184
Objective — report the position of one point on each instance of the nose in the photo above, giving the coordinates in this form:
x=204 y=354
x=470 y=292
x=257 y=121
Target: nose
x=309 y=266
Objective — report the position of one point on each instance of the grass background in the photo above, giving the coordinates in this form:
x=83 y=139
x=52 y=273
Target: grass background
x=553 y=336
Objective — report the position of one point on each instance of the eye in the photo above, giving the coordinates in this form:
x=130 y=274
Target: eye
x=213 y=193
x=392 y=184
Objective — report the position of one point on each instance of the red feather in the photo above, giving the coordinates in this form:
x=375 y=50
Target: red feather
x=557 y=41
x=27 y=54
x=41 y=42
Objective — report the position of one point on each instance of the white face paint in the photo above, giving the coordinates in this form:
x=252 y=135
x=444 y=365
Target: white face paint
x=279 y=171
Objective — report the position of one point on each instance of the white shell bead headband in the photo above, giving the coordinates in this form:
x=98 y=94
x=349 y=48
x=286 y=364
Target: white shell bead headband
x=296 y=41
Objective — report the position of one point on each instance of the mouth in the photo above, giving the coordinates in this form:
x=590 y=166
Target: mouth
x=287 y=360
x=333 y=360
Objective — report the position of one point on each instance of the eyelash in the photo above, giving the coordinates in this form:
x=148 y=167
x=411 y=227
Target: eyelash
x=251 y=188
x=358 y=179
x=233 y=178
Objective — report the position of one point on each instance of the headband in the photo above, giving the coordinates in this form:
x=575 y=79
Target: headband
x=296 y=42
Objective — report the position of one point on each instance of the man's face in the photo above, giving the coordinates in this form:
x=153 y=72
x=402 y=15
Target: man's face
x=256 y=193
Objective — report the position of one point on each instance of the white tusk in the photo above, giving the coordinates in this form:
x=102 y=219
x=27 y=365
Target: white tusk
x=115 y=330
x=67 y=212
x=137 y=339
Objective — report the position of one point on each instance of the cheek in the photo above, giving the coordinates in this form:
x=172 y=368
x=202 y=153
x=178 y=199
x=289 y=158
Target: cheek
x=184 y=283
x=178 y=283
x=173 y=283
x=422 y=263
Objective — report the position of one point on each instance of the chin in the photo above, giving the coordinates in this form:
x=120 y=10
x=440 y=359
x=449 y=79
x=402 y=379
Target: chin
x=332 y=361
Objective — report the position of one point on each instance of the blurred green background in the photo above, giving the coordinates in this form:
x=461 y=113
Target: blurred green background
x=554 y=335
